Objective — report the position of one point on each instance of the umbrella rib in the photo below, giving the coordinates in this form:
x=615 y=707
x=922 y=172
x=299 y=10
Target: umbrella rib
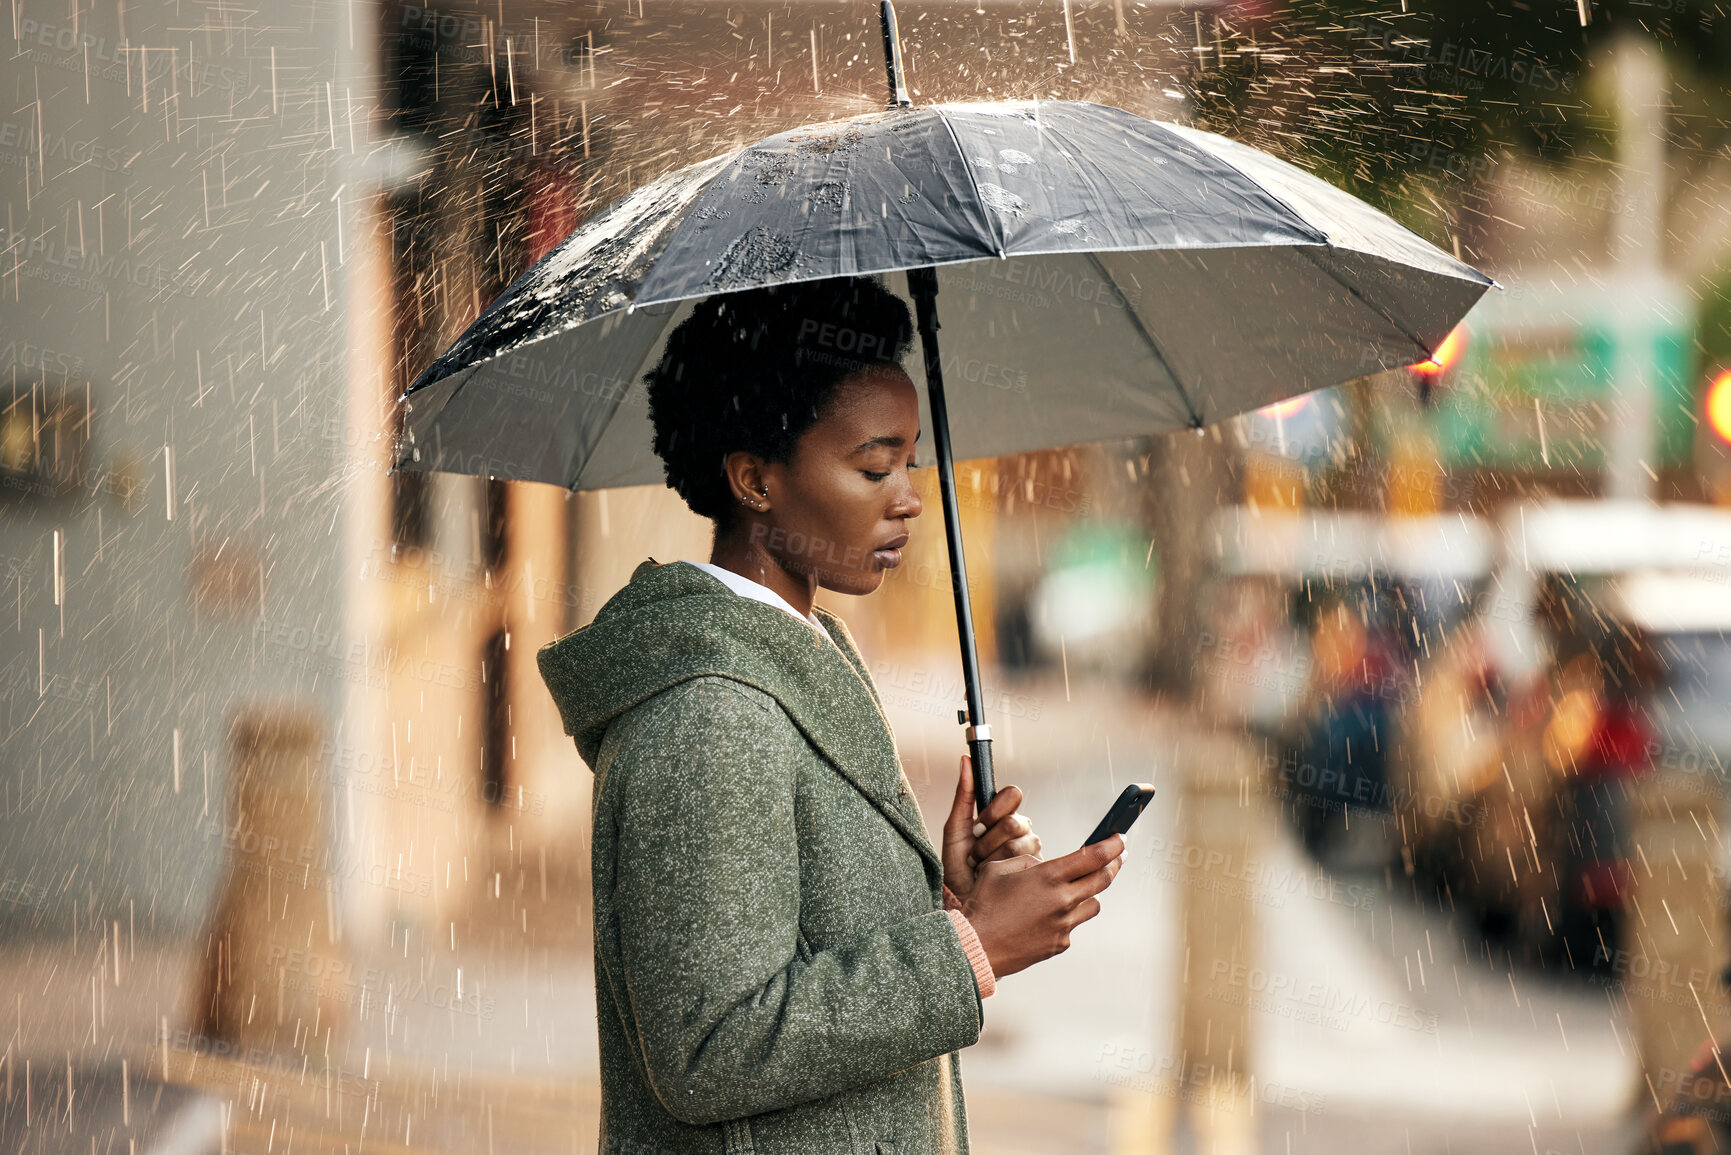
x=979 y=198
x=1153 y=345
x=1310 y=256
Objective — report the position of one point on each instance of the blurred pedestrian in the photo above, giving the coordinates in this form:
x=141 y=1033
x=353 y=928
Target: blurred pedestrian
x=1342 y=762
x=1598 y=744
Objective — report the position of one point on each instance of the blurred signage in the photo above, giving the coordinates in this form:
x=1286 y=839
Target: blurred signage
x=1535 y=387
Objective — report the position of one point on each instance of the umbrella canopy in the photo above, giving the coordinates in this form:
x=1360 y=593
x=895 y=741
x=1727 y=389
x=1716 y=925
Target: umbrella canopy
x=1099 y=276
x=1102 y=276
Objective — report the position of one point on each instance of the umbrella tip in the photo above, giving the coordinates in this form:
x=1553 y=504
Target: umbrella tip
x=899 y=97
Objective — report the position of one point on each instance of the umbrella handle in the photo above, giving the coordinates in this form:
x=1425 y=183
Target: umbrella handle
x=980 y=750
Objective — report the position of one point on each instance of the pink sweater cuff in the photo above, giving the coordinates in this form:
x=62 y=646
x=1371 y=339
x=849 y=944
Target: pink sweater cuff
x=971 y=946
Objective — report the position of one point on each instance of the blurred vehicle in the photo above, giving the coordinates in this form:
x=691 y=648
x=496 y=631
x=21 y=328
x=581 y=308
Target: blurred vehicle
x=1518 y=788
x=1596 y=744
x=1686 y=618
x=1472 y=794
x=1497 y=701
x=1371 y=598
x=1603 y=626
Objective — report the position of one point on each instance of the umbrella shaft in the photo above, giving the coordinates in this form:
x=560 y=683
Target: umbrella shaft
x=923 y=287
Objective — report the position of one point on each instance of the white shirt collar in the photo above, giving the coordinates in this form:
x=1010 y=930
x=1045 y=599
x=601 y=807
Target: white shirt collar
x=746 y=588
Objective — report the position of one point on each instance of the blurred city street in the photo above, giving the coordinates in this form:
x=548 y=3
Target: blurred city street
x=344 y=370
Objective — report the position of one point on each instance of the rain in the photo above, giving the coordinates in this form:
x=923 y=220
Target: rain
x=1380 y=521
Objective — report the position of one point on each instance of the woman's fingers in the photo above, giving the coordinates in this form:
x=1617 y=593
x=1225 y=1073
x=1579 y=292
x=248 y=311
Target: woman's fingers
x=1091 y=884
x=1004 y=803
x=1079 y=863
x=1007 y=830
x=1076 y=893
x=957 y=825
x=1001 y=832
x=1082 y=912
x=1008 y=865
x=1081 y=890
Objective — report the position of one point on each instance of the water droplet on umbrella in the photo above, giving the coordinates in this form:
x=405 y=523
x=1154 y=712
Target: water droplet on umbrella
x=1001 y=200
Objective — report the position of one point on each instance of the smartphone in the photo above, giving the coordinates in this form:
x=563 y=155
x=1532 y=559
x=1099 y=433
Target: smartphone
x=1124 y=812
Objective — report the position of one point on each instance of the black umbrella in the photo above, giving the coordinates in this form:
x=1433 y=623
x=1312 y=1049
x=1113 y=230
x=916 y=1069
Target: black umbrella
x=1104 y=276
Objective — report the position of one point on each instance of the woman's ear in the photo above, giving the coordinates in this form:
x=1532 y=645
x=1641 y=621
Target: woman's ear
x=745 y=477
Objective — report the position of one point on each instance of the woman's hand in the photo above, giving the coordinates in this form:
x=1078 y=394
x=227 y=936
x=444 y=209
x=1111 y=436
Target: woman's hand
x=998 y=834
x=1023 y=910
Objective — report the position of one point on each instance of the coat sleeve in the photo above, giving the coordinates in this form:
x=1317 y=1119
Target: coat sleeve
x=734 y=1018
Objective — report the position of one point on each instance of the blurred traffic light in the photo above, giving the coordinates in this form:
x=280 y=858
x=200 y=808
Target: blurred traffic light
x=1719 y=406
x=1430 y=373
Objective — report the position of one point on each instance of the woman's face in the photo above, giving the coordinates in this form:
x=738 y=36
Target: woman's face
x=838 y=508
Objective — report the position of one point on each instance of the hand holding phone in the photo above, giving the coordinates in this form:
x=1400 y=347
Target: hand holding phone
x=1123 y=813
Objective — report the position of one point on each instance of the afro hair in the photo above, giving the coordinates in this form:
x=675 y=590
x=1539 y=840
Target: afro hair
x=751 y=371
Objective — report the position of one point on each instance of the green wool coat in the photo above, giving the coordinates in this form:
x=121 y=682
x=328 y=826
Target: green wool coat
x=775 y=973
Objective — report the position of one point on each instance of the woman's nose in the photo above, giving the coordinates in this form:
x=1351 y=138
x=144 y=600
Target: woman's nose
x=909 y=504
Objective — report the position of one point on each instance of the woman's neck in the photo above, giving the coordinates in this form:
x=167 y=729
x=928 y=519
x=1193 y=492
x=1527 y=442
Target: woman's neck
x=749 y=559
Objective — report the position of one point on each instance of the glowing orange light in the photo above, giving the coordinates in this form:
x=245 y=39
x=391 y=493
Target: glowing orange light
x=1719 y=406
x=1284 y=409
x=1446 y=354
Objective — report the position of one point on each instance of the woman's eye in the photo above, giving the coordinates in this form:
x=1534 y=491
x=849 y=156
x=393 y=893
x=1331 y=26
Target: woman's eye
x=875 y=476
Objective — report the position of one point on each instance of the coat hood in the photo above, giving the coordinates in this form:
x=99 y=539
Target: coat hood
x=670 y=623
x=674 y=622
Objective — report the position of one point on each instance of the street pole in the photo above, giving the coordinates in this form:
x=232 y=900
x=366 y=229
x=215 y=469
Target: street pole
x=1637 y=253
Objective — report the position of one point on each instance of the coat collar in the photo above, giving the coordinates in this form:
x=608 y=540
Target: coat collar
x=674 y=622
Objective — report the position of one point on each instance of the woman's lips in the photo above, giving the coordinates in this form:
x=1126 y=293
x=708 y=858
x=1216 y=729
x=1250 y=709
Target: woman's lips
x=889 y=554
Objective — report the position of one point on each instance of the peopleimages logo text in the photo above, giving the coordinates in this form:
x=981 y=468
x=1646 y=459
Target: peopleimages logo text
x=24 y=140
x=94 y=266
x=119 y=61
